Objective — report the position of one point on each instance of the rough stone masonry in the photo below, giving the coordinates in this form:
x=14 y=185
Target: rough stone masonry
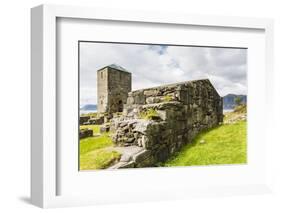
x=113 y=85
x=160 y=120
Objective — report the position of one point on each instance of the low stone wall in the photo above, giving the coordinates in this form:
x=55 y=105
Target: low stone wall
x=83 y=119
x=88 y=120
x=84 y=133
x=96 y=121
x=163 y=119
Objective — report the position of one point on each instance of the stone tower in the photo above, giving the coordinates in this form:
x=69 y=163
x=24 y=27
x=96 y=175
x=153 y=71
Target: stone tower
x=114 y=84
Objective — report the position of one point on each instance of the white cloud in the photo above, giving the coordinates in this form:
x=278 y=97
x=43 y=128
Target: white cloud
x=153 y=65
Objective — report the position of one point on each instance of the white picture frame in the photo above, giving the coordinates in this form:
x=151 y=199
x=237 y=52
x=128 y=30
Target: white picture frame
x=44 y=153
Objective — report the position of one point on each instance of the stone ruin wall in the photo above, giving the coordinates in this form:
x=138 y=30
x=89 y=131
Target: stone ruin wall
x=180 y=112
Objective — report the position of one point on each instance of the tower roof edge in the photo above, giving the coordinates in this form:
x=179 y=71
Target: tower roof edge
x=116 y=67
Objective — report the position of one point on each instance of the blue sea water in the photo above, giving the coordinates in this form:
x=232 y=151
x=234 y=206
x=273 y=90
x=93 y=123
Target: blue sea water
x=86 y=111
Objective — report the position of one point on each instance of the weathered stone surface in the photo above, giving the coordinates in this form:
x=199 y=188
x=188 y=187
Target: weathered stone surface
x=152 y=100
x=141 y=156
x=130 y=164
x=123 y=165
x=84 y=133
x=105 y=128
x=151 y=124
x=141 y=126
x=113 y=85
x=125 y=158
x=88 y=120
x=162 y=114
x=144 y=141
x=151 y=92
x=84 y=119
x=97 y=121
x=128 y=156
x=182 y=111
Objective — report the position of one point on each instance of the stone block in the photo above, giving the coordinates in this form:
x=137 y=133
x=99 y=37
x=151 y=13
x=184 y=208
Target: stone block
x=130 y=100
x=104 y=128
x=141 y=156
x=84 y=133
x=84 y=119
x=141 y=126
x=140 y=99
x=125 y=158
x=153 y=100
x=162 y=114
x=144 y=141
x=151 y=92
x=162 y=153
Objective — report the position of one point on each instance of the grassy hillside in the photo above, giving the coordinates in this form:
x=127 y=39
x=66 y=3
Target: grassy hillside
x=225 y=144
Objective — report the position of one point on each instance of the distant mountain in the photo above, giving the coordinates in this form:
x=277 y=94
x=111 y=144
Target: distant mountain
x=229 y=100
x=89 y=107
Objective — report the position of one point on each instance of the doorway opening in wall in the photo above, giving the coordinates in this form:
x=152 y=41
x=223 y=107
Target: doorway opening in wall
x=120 y=106
x=181 y=105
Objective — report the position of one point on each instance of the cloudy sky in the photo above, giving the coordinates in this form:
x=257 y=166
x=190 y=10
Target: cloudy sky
x=153 y=65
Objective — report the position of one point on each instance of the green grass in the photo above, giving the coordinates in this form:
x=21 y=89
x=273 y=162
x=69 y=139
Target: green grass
x=149 y=114
x=225 y=144
x=168 y=98
x=93 y=154
x=98 y=159
x=94 y=143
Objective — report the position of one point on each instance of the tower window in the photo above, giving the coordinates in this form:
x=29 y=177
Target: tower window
x=101 y=75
